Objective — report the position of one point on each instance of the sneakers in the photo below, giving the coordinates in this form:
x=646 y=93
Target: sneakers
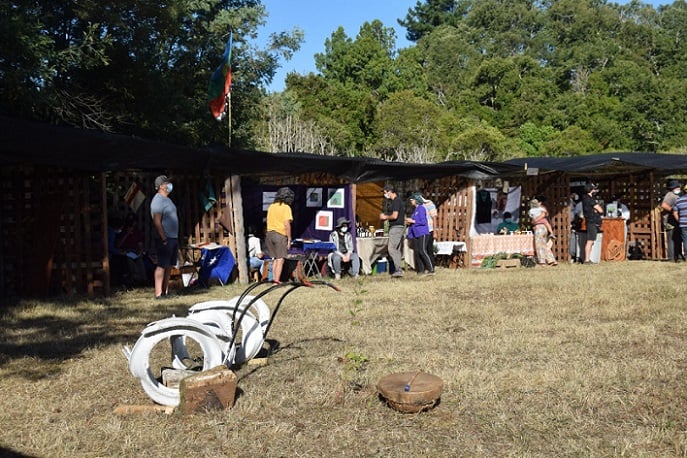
x=397 y=274
x=337 y=276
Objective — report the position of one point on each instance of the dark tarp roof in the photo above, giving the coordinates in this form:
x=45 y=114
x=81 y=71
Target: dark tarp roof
x=607 y=163
x=93 y=151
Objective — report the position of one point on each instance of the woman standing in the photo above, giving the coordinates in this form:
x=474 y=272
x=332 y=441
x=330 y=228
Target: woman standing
x=418 y=231
x=542 y=232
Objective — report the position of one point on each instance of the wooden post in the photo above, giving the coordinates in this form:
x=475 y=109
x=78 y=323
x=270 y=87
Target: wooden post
x=104 y=222
x=240 y=236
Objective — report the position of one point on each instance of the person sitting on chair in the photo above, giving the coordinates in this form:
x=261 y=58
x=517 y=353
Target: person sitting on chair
x=507 y=226
x=255 y=254
x=345 y=252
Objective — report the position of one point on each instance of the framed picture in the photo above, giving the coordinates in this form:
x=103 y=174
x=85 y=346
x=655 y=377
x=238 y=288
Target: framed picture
x=313 y=197
x=335 y=198
x=324 y=220
x=267 y=199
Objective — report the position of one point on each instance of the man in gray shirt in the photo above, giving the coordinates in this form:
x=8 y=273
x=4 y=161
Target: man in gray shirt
x=166 y=234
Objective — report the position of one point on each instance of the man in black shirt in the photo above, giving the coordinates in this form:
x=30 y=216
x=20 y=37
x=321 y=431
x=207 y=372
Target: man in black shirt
x=592 y=215
x=396 y=217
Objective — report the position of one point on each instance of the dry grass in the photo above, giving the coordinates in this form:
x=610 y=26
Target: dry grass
x=566 y=361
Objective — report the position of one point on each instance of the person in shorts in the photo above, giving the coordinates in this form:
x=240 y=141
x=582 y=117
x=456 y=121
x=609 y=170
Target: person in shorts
x=165 y=233
x=278 y=239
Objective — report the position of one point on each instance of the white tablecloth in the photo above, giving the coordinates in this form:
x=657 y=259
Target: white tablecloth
x=444 y=248
x=482 y=246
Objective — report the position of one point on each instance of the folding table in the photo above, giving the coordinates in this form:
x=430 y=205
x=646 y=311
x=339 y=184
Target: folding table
x=312 y=250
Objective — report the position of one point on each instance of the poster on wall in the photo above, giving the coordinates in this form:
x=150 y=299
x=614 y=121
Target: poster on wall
x=267 y=199
x=323 y=220
x=335 y=198
x=313 y=197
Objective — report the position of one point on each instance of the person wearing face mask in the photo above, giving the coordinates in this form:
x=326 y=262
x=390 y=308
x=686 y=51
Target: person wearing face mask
x=670 y=224
x=592 y=212
x=418 y=232
x=394 y=214
x=345 y=255
x=166 y=234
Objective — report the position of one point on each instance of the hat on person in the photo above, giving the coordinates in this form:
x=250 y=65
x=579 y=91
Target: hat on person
x=672 y=184
x=389 y=187
x=590 y=187
x=160 y=180
x=534 y=203
x=285 y=195
x=417 y=197
x=341 y=220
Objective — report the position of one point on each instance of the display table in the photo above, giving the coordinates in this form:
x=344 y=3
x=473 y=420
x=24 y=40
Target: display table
x=482 y=246
x=613 y=242
x=453 y=250
x=313 y=250
x=369 y=250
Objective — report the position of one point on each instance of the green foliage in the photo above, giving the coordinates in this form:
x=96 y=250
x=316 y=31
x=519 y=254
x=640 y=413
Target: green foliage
x=484 y=80
x=490 y=262
x=136 y=67
x=490 y=79
x=356 y=361
x=357 y=303
x=533 y=138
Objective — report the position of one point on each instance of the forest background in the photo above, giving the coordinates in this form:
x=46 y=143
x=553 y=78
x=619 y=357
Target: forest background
x=484 y=80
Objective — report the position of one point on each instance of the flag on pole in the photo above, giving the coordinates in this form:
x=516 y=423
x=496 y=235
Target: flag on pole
x=220 y=83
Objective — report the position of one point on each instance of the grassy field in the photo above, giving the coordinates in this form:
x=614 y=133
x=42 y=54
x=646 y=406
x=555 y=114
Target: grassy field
x=563 y=361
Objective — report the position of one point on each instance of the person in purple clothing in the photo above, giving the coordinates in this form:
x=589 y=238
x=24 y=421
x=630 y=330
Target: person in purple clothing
x=418 y=231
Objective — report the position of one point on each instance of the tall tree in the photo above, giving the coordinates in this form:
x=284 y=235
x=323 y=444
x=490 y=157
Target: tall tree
x=355 y=76
x=136 y=66
x=425 y=17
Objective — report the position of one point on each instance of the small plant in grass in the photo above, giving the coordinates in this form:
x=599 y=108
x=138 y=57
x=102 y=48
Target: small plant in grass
x=490 y=261
x=357 y=303
x=354 y=364
x=355 y=361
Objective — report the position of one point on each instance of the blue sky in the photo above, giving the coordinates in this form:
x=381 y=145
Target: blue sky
x=319 y=18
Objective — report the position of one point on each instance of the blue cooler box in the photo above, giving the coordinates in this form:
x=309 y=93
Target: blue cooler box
x=381 y=265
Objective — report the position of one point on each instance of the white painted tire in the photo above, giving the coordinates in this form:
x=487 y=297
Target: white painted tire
x=170 y=328
x=221 y=312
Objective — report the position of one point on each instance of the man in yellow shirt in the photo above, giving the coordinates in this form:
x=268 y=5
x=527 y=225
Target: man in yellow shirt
x=279 y=219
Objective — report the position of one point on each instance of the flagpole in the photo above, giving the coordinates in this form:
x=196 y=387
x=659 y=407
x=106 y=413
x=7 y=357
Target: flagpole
x=229 y=116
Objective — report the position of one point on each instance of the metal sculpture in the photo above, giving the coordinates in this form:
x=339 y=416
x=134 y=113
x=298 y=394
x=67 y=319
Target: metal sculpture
x=215 y=326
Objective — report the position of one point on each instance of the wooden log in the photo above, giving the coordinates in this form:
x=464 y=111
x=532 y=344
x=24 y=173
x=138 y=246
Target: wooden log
x=506 y=263
x=211 y=389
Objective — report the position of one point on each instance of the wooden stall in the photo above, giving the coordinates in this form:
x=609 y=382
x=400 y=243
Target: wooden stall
x=52 y=232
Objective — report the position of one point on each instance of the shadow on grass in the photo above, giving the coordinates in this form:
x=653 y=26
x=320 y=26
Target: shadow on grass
x=37 y=336
x=51 y=332
x=9 y=453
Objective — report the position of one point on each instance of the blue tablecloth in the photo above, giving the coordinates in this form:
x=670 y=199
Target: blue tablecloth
x=312 y=251
x=216 y=263
x=319 y=246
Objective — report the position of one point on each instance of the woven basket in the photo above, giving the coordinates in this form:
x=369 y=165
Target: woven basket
x=410 y=392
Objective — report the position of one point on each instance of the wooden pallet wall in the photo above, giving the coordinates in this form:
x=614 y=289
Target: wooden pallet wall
x=453 y=199
x=555 y=187
x=52 y=233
